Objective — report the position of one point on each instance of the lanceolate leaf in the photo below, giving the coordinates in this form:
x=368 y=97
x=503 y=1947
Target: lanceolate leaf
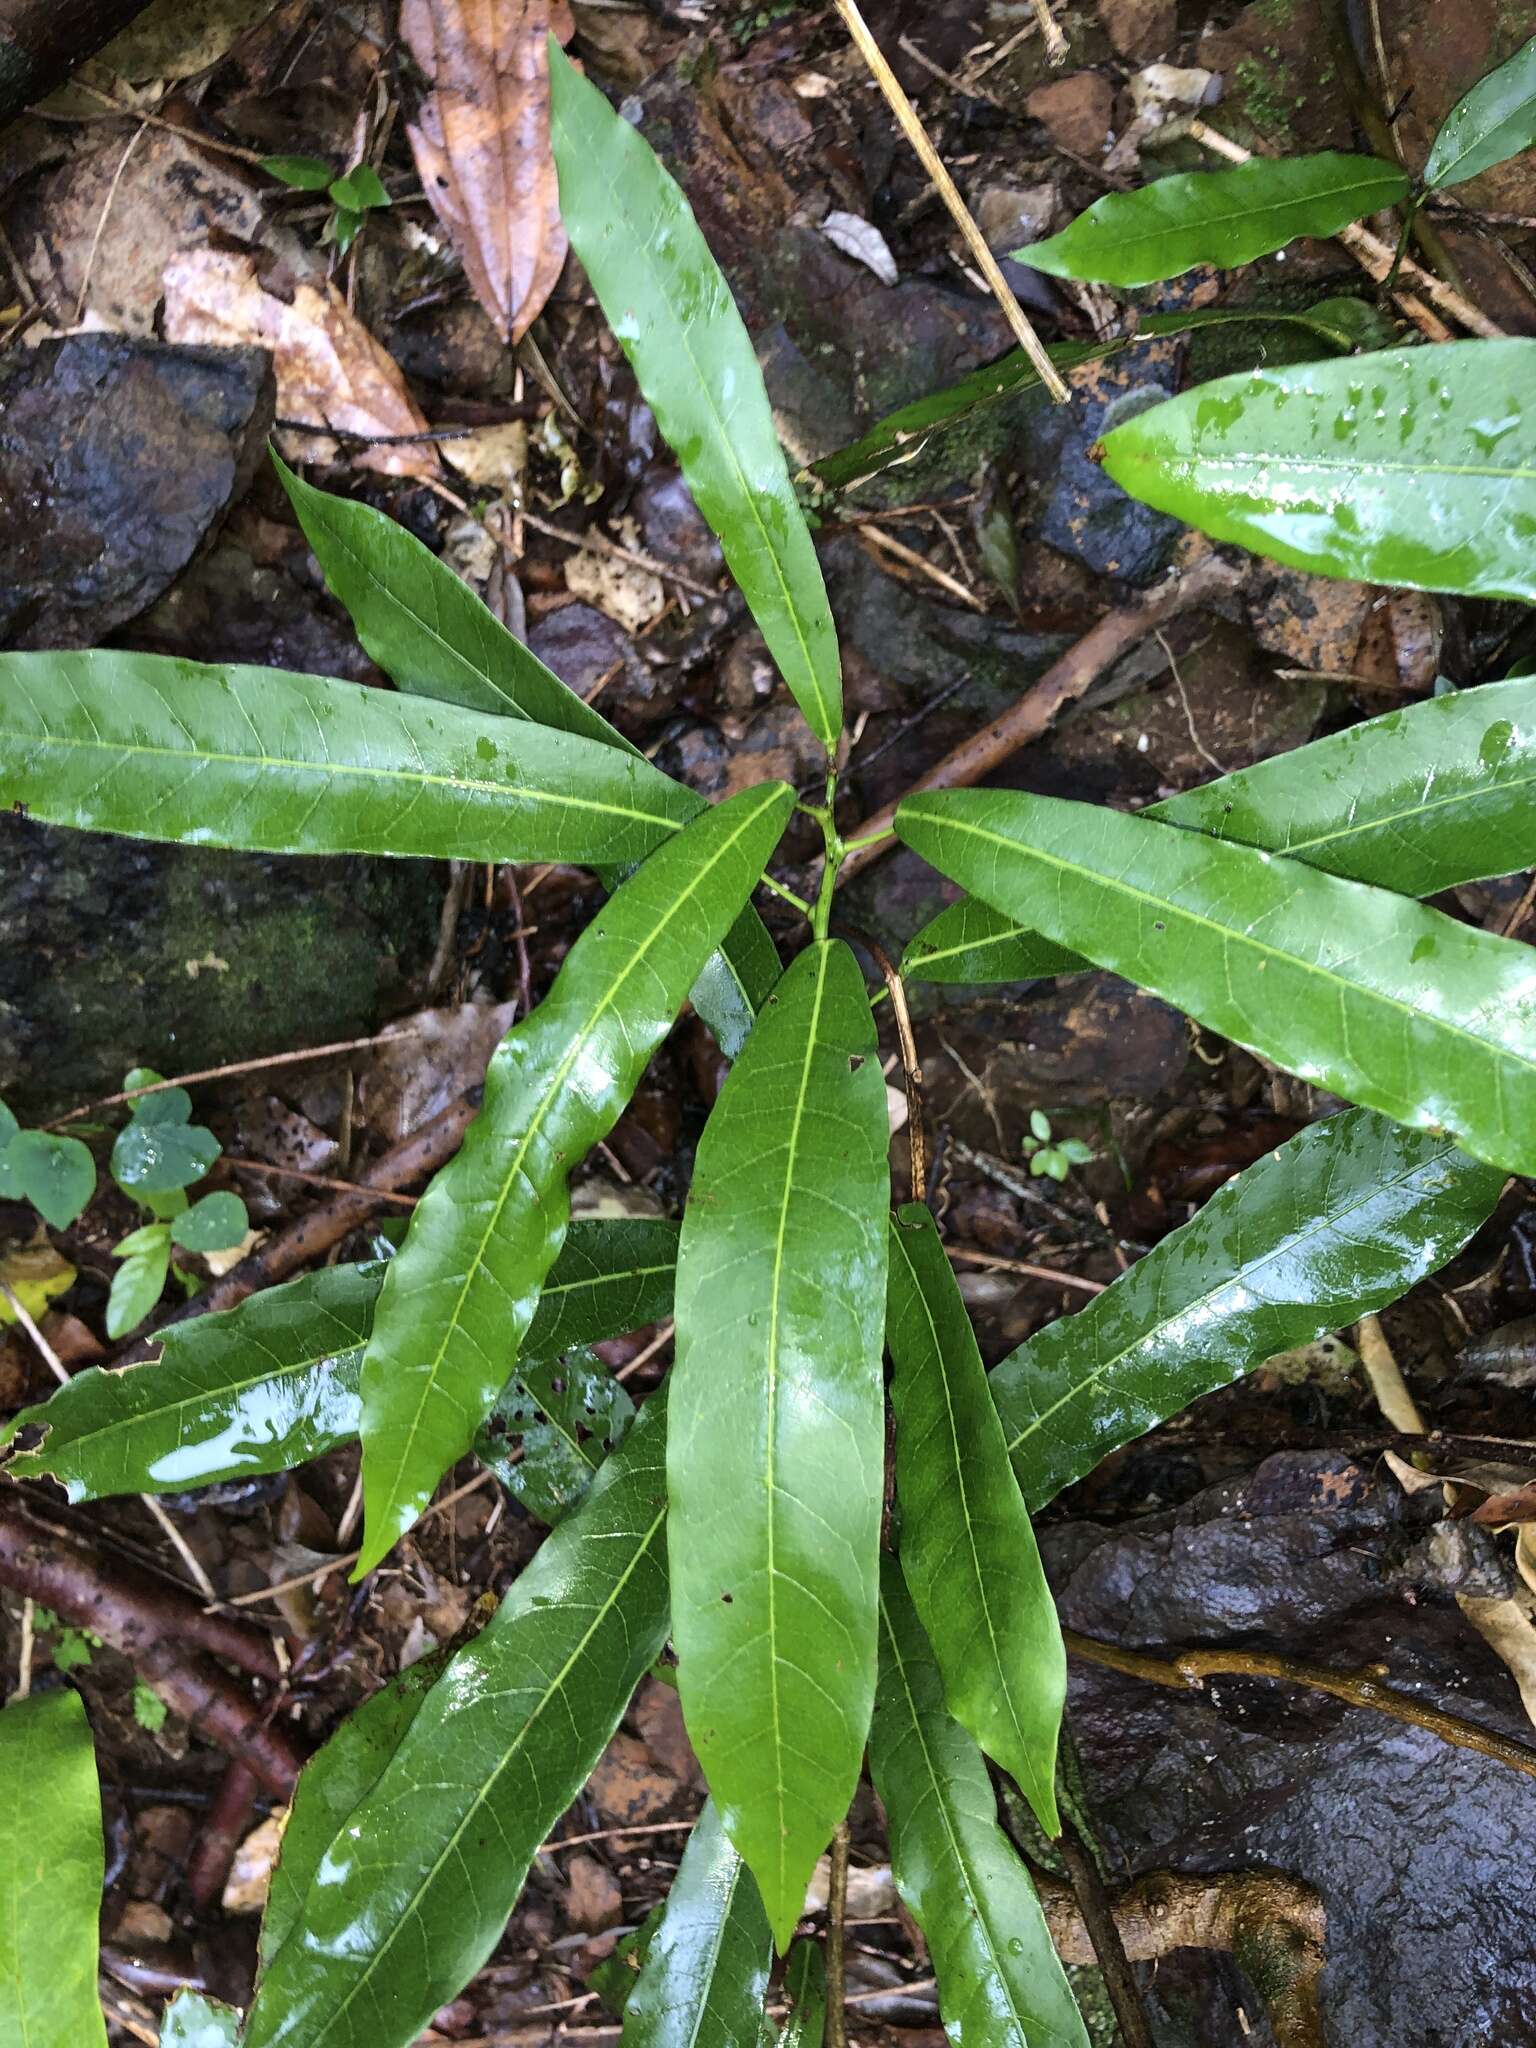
x=776 y=1445
x=51 y=1863
x=267 y=1385
x=966 y=1546
x=1338 y=1222
x=423 y=625
x=706 y=1971
x=276 y=763
x=999 y=1979
x=1370 y=995
x=1417 y=801
x=1409 y=466
x=1496 y=120
x=458 y=1297
x=674 y=316
x=1227 y=218
x=412 y=1889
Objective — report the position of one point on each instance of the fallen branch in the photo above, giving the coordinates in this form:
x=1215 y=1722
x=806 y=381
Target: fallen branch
x=1062 y=684
x=41 y=42
x=1188 y=1671
x=1271 y=1925
x=170 y=1639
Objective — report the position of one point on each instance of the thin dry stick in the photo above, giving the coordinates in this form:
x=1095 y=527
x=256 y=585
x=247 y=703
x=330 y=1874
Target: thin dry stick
x=321 y=1180
x=837 y=1918
x=1376 y=258
x=994 y=1262
x=912 y=127
x=1093 y=1903
x=117 y=178
x=899 y=551
x=1055 y=41
x=275 y=1059
x=1189 y=1670
x=56 y=1366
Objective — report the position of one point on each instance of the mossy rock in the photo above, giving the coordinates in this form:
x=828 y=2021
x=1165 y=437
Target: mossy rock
x=114 y=952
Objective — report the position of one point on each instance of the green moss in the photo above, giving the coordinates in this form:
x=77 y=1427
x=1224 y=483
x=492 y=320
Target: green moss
x=1268 y=94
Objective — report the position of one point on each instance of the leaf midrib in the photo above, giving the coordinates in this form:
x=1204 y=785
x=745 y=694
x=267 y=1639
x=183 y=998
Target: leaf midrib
x=1327 y=1223
x=572 y=1054
x=551 y=1691
x=1444 y=177
x=1111 y=245
x=1359 y=991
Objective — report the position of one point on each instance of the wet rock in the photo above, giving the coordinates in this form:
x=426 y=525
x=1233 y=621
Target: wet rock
x=585 y=647
x=1140 y=29
x=672 y=527
x=1078 y=111
x=1421 y=1851
x=117 y=457
x=1078 y=508
x=593 y=1900
x=114 y=953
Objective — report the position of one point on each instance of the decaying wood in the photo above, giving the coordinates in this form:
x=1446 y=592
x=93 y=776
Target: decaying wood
x=41 y=42
x=481 y=142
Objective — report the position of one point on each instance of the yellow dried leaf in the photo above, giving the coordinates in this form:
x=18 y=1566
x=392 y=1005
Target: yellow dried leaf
x=36 y=1275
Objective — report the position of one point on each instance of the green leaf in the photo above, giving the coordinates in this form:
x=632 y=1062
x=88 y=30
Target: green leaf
x=51 y=1865
x=1340 y=323
x=674 y=317
x=1496 y=120
x=272 y=1383
x=361 y=189
x=568 y=1413
x=424 y=626
x=1406 y=467
x=138 y=1282
x=1000 y=1982
x=805 y=1984
x=966 y=1546
x=777 y=1442
x=706 y=1971
x=214 y=1223
x=1342 y=1219
x=152 y=1158
x=303 y=173
x=192 y=2021
x=149 y=1710
x=413 y=1887
x=1417 y=801
x=164 y=1106
x=427 y=630
x=278 y=763
x=903 y=435
x=56 y=1175
x=1368 y=994
x=1225 y=218
x=458 y=1298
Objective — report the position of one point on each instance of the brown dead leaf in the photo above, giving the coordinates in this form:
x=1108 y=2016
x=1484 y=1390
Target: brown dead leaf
x=1506 y=1627
x=481 y=140
x=331 y=372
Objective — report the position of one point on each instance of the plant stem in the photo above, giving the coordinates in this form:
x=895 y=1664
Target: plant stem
x=821 y=916
x=797 y=902
x=837 y=1913
x=1098 y=1915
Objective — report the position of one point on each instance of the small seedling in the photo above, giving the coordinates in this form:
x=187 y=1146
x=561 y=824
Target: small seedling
x=1054 y=1159
x=354 y=196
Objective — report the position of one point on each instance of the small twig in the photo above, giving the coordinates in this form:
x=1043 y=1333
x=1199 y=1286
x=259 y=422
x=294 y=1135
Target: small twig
x=107 y=204
x=837 y=1918
x=663 y=1337
x=350 y=1557
x=647 y=1827
x=1093 y=1902
x=900 y=552
x=599 y=544
x=1062 y=684
x=275 y=1059
x=1521 y=911
x=912 y=127
x=319 y=1180
x=994 y=1262
x=28 y=1644
x=1056 y=48
x=1189 y=1669
x=911 y=1066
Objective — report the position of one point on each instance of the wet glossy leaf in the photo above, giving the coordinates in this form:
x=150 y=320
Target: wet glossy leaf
x=1226 y=218
x=56 y=1175
x=999 y=1979
x=428 y=630
x=805 y=1986
x=1338 y=1222
x=1416 y=801
x=777 y=1439
x=192 y=2021
x=566 y=1414
x=966 y=1546
x=274 y=1382
x=151 y=1158
x=257 y=758
x=214 y=1223
x=51 y=1864
x=423 y=625
x=706 y=1971
x=1495 y=120
x=412 y=1889
x=1370 y=995
x=675 y=319
x=1343 y=324
x=1406 y=467
x=139 y=1281
x=458 y=1298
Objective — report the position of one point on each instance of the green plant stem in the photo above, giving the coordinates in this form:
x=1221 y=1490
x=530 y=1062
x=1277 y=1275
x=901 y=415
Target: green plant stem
x=873 y=839
x=797 y=902
x=837 y=1912
x=821 y=916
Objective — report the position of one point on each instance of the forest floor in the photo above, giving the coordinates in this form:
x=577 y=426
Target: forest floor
x=137 y=222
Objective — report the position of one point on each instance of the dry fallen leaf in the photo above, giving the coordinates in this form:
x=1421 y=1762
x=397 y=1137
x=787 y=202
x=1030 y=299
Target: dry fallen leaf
x=1505 y=1626
x=250 y=1875
x=330 y=370
x=481 y=140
